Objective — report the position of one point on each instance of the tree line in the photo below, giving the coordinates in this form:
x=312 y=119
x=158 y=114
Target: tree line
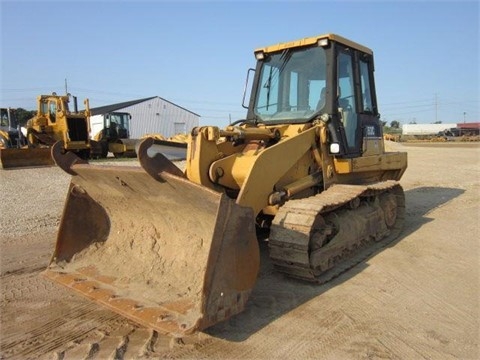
x=23 y=115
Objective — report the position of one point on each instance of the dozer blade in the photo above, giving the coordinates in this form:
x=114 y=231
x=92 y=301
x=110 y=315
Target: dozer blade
x=15 y=158
x=165 y=252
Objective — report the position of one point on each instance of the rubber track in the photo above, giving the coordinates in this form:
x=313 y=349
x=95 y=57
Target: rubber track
x=297 y=217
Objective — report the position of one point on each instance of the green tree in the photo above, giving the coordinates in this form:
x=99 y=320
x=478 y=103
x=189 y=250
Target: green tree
x=24 y=115
x=395 y=124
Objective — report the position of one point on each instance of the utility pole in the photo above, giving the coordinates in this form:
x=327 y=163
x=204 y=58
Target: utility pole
x=436 y=108
x=464 y=114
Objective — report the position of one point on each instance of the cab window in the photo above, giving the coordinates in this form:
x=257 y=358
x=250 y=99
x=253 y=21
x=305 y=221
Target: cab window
x=290 y=85
x=52 y=110
x=346 y=97
x=367 y=105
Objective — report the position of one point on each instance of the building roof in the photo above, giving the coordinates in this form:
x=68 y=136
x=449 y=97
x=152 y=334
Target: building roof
x=470 y=125
x=114 y=107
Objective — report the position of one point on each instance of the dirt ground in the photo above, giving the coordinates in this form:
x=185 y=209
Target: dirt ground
x=418 y=298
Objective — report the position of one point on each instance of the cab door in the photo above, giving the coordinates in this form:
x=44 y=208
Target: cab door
x=356 y=99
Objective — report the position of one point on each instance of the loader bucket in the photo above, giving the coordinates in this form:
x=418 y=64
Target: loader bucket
x=165 y=252
x=29 y=157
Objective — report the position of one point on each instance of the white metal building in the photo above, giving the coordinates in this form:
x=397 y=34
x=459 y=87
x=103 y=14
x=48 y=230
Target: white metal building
x=425 y=129
x=154 y=115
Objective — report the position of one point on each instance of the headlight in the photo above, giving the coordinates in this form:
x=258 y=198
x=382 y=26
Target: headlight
x=323 y=42
x=260 y=55
x=334 y=148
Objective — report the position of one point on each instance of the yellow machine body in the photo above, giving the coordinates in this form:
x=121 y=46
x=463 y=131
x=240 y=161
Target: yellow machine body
x=178 y=251
x=54 y=121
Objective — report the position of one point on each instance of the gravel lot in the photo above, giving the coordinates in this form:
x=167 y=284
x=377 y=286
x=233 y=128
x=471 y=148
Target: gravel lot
x=417 y=298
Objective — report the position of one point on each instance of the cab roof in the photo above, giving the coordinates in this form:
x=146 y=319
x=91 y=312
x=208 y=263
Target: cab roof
x=312 y=40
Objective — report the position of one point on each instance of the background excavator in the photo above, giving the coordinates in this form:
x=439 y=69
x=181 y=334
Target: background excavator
x=54 y=121
x=10 y=132
x=177 y=251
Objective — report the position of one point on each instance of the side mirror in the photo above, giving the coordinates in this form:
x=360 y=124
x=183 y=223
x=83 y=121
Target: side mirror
x=247 y=83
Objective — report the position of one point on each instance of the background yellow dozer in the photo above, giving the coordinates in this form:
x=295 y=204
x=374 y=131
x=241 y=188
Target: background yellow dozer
x=54 y=121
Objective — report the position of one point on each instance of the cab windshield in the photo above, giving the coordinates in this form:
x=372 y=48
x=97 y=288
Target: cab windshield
x=119 y=119
x=119 y=123
x=291 y=85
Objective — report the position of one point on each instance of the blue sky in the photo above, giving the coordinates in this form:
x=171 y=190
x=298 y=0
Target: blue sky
x=197 y=53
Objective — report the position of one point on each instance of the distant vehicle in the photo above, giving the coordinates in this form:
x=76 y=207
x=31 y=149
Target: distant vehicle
x=450 y=133
x=111 y=133
x=459 y=131
x=10 y=133
x=54 y=121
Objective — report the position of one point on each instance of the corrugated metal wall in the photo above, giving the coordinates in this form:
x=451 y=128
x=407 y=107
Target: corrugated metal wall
x=160 y=117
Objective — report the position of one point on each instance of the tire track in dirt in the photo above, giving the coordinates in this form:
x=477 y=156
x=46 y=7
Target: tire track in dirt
x=22 y=271
x=48 y=336
x=127 y=342
x=76 y=329
x=65 y=320
x=106 y=344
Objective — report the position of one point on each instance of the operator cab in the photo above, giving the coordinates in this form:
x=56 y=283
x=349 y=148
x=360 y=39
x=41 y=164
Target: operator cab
x=326 y=78
x=117 y=125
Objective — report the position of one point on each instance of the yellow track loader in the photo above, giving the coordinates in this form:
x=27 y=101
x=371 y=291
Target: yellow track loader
x=111 y=133
x=177 y=251
x=53 y=122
